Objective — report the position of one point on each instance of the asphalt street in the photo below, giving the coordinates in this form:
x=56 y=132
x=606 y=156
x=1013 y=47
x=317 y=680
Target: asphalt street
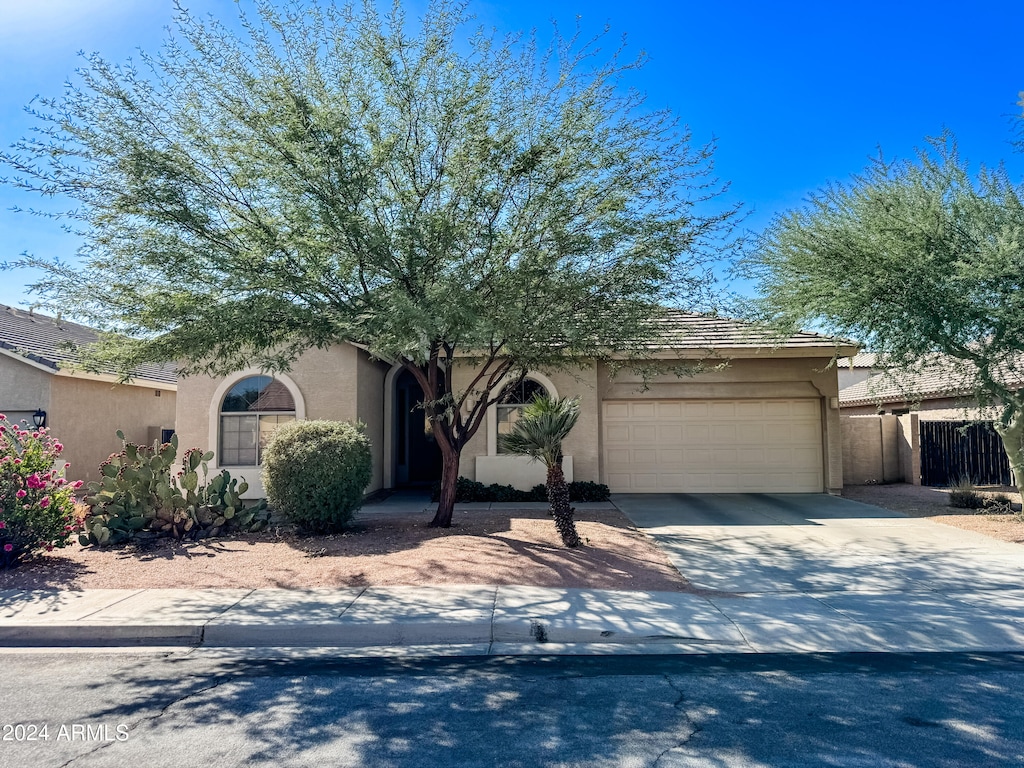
x=229 y=707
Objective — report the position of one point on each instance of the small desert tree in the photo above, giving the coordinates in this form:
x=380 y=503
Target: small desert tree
x=328 y=174
x=538 y=433
x=921 y=261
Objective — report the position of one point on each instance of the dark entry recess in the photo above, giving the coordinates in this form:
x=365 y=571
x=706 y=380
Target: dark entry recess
x=417 y=457
x=952 y=450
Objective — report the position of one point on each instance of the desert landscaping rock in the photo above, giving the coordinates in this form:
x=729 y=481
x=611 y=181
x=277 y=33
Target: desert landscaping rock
x=386 y=548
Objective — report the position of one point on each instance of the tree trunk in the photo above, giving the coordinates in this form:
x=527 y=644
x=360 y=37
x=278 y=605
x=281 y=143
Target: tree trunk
x=558 y=498
x=449 y=483
x=1012 y=434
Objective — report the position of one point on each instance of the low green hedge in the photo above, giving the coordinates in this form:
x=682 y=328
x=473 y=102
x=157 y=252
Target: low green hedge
x=469 y=490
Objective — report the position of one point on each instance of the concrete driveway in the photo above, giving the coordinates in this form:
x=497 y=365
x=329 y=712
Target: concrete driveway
x=780 y=563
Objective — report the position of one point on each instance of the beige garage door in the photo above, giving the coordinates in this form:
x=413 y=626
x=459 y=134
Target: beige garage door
x=713 y=446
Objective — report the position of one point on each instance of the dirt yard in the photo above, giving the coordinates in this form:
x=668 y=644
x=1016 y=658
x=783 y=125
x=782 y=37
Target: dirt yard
x=518 y=547
x=933 y=503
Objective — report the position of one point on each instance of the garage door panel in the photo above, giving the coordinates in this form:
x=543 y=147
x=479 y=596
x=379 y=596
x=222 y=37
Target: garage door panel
x=713 y=446
x=644 y=433
x=617 y=433
x=669 y=410
x=643 y=410
x=723 y=433
x=696 y=433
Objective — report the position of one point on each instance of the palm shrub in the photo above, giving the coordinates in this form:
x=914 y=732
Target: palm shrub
x=538 y=433
x=37 y=504
x=315 y=472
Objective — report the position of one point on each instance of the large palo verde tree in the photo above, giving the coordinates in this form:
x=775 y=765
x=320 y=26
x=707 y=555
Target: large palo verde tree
x=315 y=174
x=921 y=260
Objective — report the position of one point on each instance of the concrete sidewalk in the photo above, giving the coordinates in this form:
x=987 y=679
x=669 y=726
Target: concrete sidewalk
x=489 y=620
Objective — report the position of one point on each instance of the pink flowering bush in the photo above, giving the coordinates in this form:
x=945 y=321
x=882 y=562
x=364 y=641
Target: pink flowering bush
x=37 y=505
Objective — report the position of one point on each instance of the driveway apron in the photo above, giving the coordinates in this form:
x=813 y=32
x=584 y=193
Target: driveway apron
x=782 y=564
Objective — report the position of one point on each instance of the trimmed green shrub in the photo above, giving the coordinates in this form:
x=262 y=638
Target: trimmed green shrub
x=467 y=491
x=315 y=472
x=586 y=490
x=37 y=505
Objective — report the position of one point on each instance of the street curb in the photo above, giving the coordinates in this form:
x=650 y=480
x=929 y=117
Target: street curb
x=81 y=634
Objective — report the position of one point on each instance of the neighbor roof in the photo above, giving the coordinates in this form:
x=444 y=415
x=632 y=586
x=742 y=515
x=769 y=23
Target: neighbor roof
x=52 y=342
x=941 y=377
x=860 y=360
x=688 y=330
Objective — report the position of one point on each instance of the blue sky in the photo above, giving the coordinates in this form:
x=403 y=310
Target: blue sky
x=797 y=93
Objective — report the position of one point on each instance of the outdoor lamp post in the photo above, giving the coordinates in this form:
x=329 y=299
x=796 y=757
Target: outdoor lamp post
x=39 y=418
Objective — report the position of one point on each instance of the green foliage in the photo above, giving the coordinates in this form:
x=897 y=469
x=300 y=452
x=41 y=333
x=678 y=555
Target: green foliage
x=923 y=263
x=471 y=491
x=538 y=433
x=586 y=490
x=315 y=472
x=37 y=505
x=140 y=495
x=540 y=430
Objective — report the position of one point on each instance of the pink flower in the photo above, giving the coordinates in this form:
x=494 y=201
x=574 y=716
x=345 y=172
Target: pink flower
x=49 y=547
x=2 y=525
x=44 y=502
x=77 y=484
x=58 y=447
x=21 y=494
x=67 y=464
x=8 y=547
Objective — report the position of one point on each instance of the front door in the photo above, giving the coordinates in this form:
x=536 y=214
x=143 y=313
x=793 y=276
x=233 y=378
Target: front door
x=417 y=457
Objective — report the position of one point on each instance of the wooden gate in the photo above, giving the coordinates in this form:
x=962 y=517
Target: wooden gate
x=952 y=450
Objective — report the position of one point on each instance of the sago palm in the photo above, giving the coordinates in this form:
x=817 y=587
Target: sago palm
x=538 y=433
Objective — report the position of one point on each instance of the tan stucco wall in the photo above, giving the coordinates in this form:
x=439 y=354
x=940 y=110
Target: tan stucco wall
x=23 y=387
x=335 y=383
x=370 y=408
x=85 y=415
x=909 y=433
x=581 y=445
x=871 y=450
x=761 y=377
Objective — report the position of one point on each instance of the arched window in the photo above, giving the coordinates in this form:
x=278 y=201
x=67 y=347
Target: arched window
x=252 y=409
x=510 y=406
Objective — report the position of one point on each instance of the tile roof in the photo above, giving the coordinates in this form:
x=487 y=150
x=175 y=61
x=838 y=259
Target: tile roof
x=939 y=377
x=45 y=340
x=861 y=360
x=688 y=330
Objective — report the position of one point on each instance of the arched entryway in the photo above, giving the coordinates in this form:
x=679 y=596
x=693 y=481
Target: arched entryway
x=417 y=459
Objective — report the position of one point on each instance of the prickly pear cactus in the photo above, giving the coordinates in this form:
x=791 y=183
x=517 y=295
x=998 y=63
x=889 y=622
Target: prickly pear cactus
x=139 y=494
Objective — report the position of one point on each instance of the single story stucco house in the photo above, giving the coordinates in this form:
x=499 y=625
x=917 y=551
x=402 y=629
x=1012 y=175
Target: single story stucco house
x=762 y=416
x=40 y=374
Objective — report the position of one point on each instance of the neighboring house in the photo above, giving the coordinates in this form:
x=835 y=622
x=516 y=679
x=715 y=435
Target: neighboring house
x=853 y=370
x=937 y=393
x=890 y=432
x=762 y=416
x=39 y=373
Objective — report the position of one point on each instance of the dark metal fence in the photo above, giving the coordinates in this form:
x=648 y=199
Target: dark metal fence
x=951 y=450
